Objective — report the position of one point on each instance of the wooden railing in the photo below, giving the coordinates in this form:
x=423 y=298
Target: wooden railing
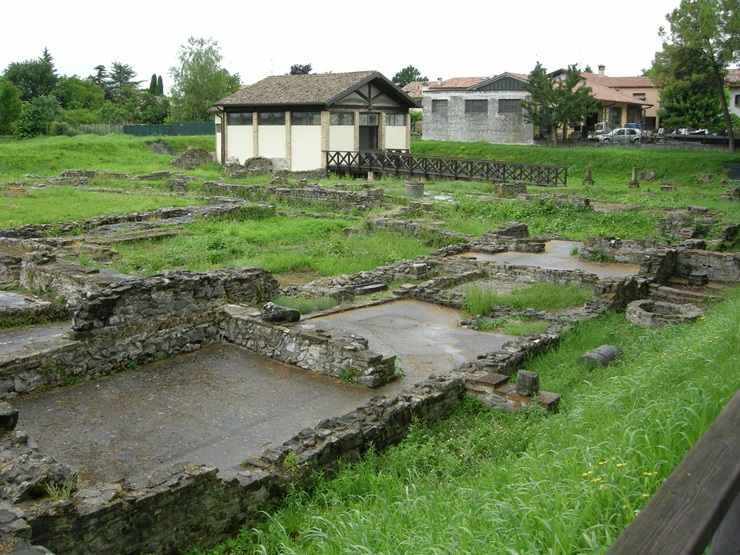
x=404 y=163
x=698 y=503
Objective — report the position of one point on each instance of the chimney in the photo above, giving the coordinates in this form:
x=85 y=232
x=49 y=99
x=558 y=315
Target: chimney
x=602 y=69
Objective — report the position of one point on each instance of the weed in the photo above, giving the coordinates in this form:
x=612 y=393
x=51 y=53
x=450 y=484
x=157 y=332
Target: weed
x=512 y=326
x=540 y=296
x=60 y=491
x=306 y=305
x=349 y=375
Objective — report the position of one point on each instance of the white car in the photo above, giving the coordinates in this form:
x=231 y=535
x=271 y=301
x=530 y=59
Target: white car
x=620 y=136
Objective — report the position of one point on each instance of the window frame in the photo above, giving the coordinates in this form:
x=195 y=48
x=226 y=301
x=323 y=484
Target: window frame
x=471 y=102
x=510 y=102
x=343 y=114
x=239 y=118
x=315 y=120
x=262 y=118
x=440 y=102
x=393 y=116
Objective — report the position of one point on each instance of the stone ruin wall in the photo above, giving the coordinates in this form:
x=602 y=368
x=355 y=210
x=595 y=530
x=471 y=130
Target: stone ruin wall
x=194 y=504
x=362 y=200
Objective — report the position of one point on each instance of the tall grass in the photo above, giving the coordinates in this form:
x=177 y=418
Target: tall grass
x=540 y=296
x=60 y=204
x=277 y=244
x=484 y=482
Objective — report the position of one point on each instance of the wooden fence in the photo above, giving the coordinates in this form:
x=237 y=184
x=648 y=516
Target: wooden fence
x=698 y=503
x=404 y=163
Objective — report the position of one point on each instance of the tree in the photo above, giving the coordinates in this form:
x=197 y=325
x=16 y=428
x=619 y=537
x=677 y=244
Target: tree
x=160 y=86
x=153 y=84
x=711 y=29
x=300 y=69
x=687 y=93
x=10 y=106
x=588 y=69
x=74 y=93
x=151 y=108
x=121 y=80
x=37 y=115
x=407 y=75
x=574 y=101
x=199 y=80
x=539 y=108
x=33 y=77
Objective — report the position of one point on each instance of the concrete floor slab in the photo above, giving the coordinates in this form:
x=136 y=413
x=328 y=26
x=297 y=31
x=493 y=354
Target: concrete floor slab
x=427 y=338
x=557 y=256
x=216 y=406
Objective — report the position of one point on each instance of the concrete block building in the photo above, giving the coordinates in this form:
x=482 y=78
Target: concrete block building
x=294 y=119
x=478 y=109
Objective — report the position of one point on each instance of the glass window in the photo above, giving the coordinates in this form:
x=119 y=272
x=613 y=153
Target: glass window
x=239 y=118
x=439 y=107
x=342 y=118
x=368 y=118
x=737 y=100
x=476 y=106
x=271 y=118
x=395 y=120
x=305 y=118
x=509 y=106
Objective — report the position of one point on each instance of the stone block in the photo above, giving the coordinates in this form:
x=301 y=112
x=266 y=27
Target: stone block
x=272 y=312
x=601 y=356
x=527 y=383
x=371 y=288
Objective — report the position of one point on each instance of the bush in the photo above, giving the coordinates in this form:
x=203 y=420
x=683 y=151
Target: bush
x=37 y=116
x=540 y=296
x=62 y=128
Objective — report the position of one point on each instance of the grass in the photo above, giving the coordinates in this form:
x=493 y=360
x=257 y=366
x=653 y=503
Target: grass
x=63 y=204
x=306 y=305
x=123 y=153
x=539 y=296
x=485 y=482
x=512 y=326
x=277 y=244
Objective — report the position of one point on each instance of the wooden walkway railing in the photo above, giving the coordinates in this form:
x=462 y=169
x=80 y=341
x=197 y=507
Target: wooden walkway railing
x=404 y=163
x=698 y=503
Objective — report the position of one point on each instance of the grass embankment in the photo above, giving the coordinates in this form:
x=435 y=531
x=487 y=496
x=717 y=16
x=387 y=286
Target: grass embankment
x=63 y=204
x=277 y=244
x=122 y=153
x=486 y=482
x=539 y=296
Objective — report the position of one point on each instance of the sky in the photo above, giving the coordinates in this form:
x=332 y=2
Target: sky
x=443 y=39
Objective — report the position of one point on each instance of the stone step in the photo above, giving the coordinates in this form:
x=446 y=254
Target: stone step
x=679 y=296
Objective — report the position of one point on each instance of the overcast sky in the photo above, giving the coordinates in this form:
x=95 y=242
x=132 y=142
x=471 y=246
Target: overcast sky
x=260 y=38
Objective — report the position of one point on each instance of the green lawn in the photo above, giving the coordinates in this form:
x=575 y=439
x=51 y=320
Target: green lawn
x=485 y=482
x=277 y=244
x=125 y=153
x=63 y=204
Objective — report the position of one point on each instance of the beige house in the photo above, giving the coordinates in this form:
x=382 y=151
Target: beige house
x=294 y=119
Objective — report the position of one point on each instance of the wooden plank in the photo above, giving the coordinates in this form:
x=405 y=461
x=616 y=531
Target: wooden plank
x=682 y=516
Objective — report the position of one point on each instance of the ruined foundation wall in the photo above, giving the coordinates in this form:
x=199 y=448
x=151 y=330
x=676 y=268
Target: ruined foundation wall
x=310 y=193
x=196 y=506
x=719 y=266
x=345 y=357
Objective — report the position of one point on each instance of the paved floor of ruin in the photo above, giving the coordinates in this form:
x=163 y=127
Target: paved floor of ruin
x=426 y=337
x=216 y=406
x=557 y=256
x=18 y=342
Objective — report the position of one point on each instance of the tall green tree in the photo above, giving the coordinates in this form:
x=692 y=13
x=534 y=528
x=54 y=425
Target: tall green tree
x=121 y=80
x=300 y=69
x=160 y=86
x=10 y=106
x=33 y=77
x=407 y=75
x=539 y=108
x=153 y=84
x=574 y=100
x=198 y=81
x=687 y=92
x=711 y=29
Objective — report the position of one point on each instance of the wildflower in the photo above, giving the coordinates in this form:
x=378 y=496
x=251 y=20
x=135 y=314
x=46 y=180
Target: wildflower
x=621 y=465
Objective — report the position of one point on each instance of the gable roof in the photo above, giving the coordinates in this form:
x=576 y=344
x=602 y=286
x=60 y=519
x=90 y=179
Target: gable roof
x=415 y=88
x=317 y=89
x=486 y=82
x=603 y=89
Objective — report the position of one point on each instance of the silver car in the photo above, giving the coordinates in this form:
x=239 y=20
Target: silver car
x=621 y=136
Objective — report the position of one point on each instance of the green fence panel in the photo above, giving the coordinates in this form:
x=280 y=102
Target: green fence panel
x=184 y=128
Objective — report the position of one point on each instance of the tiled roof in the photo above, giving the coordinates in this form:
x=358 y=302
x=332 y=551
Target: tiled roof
x=603 y=91
x=634 y=82
x=414 y=89
x=456 y=83
x=311 y=89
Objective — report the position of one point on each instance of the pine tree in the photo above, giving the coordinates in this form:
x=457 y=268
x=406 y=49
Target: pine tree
x=160 y=86
x=153 y=85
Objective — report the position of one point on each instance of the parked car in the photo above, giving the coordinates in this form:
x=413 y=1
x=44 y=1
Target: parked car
x=600 y=129
x=620 y=136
